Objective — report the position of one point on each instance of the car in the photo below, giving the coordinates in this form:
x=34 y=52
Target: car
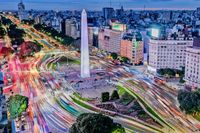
x=23 y=119
x=17 y=124
x=22 y=127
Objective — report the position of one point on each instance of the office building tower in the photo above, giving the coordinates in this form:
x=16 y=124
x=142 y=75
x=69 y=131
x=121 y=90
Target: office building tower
x=132 y=48
x=192 y=67
x=109 y=40
x=167 y=54
x=108 y=13
x=21 y=11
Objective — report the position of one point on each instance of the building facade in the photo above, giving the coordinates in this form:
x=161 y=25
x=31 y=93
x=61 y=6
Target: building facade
x=63 y=29
x=90 y=36
x=93 y=36
x=21 y=11
x=192 y=67
x=71 y=29
x=108 y=13
x=167 y=54
x=110 y=40
x=132 y=49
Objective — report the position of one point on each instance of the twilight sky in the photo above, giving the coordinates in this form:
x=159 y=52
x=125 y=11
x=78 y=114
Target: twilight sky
x=98 y=4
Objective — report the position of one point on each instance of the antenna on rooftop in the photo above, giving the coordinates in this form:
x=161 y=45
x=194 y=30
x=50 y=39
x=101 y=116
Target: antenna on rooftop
x=120 y=4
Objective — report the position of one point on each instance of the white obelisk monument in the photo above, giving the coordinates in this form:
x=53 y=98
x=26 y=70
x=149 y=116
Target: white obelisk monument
x=85 y=68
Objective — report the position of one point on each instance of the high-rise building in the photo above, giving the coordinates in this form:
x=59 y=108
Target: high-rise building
x=68 y=27
x=132 y=48
x=71 y=28
x=108 y=13
x=166 y=15
x=167 y=54
x=38 y=19
x=198 y=11
x=21 y=11
x=93 y=36
x=74 y=30
x=109 y=40
x=120 y=12
x=90 y=36
x=56 y=23
x=85 y=68
x=192 y=67
x=63 y=28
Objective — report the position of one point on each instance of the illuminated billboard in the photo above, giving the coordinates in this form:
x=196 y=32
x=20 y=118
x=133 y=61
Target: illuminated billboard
x=118 y=27
x=155 y=32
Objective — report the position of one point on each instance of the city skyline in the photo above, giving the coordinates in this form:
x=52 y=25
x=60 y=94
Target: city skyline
x=97 y=5
x=119 y=66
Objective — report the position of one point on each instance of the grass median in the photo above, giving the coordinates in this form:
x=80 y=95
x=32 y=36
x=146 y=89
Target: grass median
x=148 y=108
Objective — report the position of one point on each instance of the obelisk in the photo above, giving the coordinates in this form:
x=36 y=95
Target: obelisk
x=85 y=68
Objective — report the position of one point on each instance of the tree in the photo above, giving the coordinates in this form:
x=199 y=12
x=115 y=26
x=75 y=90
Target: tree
x=117 y=128
x=62 y=38
x=125 y=60
x=105 y=96
x=114 y=95
x=126 y=98
x=6 y=21
x=2 y=32
x=189 y=101
x=16 y=105
x=95 y=123
x=167 y=72
x=181 y=80
x=161 y=71
x=114 y=56
x=17 y=41
x=28 y=21
x=16 y=34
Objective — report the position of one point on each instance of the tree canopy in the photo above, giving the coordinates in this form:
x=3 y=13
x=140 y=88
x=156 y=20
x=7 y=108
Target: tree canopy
x=105 y=96
x=2 y=31
x=62 y=38
x=125 y=59
x=95 y=123
x=16 y=105
x=5 y=21
x=170 y=72
x=28 y=21
x=114 y=56
x=114 y=95
x=189 y=101
x=16 y=34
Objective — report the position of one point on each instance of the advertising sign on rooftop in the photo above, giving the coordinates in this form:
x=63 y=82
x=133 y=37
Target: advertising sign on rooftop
x=118 y=27
x=155 y=32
